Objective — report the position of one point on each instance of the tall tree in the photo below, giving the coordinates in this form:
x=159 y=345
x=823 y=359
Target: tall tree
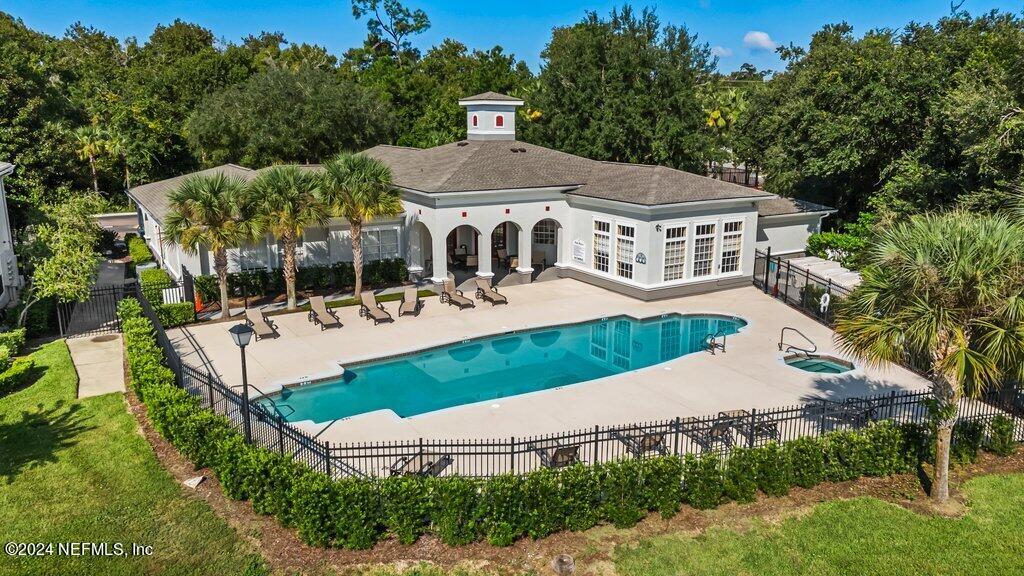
x=214 y=212
x=91 y=142
x=288 y=202
x=944 y=292
x=394 y=25
x=359 y=189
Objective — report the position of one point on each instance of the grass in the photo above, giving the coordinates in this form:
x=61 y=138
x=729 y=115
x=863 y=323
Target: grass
x=79 y=471
x=861 y=536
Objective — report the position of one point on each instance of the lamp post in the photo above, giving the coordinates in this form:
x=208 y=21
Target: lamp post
x=241 y=334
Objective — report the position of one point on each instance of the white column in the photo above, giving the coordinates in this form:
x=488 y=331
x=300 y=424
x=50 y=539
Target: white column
x=525 y=252
x=483 y=253
x=561 y=258
x=439 y=256
x=415 y=254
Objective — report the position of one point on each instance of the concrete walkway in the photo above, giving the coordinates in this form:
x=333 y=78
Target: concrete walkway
x=98 y=360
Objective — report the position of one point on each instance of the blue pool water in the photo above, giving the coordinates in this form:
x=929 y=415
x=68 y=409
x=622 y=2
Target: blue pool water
x=501 y=366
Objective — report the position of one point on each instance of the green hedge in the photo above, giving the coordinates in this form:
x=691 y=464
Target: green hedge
x=153 y=282
x=337 y=276
x=357 y=513
x=139 y=251
x=176 y=314
x=14 y=340
x=16 y=375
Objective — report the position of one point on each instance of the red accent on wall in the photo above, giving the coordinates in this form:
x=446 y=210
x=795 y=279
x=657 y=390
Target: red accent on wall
x=507 y=210
x=463 y=214
x=499 y=120
x=474 y=120
x=547 y=208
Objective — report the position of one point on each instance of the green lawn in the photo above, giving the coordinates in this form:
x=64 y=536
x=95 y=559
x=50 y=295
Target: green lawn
x=79 y=471
x=862 y=536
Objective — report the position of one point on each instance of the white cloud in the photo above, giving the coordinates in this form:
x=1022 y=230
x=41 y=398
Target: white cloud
x=721 y=52
x=756 y=40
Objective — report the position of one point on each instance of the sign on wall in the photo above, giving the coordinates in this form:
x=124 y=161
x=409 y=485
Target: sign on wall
x=579 y=250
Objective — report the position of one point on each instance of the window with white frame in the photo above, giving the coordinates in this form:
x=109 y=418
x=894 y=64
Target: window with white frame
x=624 y=248
x=703 y=250
x=732 y=246
x=602 y=245
x=544 y=232
x=380 y=244
x=675 y=252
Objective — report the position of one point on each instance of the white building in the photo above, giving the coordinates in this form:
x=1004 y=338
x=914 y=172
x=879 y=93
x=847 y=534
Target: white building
x=491 y=205
x=10 y=281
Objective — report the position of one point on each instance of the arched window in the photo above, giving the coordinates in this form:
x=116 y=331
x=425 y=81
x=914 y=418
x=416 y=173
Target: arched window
x=474 y=120
x=499 y=121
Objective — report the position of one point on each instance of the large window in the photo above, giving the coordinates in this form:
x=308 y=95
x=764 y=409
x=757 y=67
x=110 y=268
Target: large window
x=380 y=244
x=602 y=245
x=675 y=252
x=732 y=246
x=703 y=250
x=624 y=248
x=544 y=232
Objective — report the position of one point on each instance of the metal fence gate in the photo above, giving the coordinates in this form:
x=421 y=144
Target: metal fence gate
x=97 y=314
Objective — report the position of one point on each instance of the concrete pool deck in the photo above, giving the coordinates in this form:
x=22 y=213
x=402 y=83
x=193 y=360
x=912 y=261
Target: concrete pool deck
x=750 y=374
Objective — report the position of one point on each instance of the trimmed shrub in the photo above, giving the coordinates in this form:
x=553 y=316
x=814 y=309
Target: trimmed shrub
x=454 y=503
x=544 y=507
x=581 y=496
x=269 y=486
x=337 y=276
x=358 y=513
x=774 y=470
x=314 y=506
x=917 y=445
x=177 y=314
x=5 y=358
x=232 y=466
x=139 y=251
x=1000 y=436
x=622 y=489
x=502 y=510
x=153 y=282
x=14 y=340
x=17 y=375
x=884 y=453
x=663 y=483
x=406 y=507
x=844 y=459
x=703 y=486
x=967 y=438
x=740 y=478
x=808 y=461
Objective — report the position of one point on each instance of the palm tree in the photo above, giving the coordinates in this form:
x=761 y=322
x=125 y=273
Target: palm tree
x=117 y=145
x=288 y=202
x=212 y=211
x=943 y=291
x=359 y=189
x=91 y=141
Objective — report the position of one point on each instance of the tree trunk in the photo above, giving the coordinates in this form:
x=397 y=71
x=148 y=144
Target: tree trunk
x=220 y=264
x=127 y=176
x=24 y=311
x=357 y=254
x=943 y=443
x=95 y=181
x=289 y=270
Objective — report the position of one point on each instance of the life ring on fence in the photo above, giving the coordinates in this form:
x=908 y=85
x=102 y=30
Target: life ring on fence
x=823 y=303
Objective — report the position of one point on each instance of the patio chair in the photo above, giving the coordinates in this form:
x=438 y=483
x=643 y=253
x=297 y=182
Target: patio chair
x=513 y=263
x=708 y=437
x=554 y=455
x=453 y=297
x=854 y=412
x=489 y=293
x=373 y=310
x=321 y=315
x=764 y=427
x=538 y=257
x=411 y=302
x=640 y=444
x=423 y=463
x=261 y=325
x=472 y=261
x=502 y=256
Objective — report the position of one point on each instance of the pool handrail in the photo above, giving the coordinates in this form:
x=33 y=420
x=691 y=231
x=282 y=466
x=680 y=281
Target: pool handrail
x=791 y=348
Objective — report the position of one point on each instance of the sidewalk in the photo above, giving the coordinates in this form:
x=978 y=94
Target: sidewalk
x=99 y=363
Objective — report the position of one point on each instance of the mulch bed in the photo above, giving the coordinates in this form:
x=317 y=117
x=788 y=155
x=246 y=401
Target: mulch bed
x=592 y=549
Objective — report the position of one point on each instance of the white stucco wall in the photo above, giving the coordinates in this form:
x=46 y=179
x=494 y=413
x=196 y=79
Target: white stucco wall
x=12 y=281
x=787 y=234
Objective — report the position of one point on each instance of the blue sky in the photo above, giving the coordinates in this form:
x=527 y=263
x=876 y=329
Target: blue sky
x=740 y=31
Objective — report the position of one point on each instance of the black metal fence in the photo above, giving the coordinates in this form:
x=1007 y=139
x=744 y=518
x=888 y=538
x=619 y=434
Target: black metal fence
x=798 y=287
x=96 y=315
x=719 y=434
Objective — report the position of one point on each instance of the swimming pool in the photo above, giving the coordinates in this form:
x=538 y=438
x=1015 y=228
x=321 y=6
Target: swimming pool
x=500 y=366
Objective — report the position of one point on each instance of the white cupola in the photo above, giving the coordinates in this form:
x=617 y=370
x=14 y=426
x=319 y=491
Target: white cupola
x=491 y=116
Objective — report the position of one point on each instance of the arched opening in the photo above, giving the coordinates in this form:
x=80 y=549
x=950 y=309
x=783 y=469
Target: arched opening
x=505 y=239
x=463 y=252
x=545 y=240
x=421 y=250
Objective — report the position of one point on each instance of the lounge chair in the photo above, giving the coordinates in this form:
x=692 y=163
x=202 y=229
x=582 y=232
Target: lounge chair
x=423 y=463
x=753 y=427
x=489 y=293
x=640 y=444
x=454 y=297
x=554 y=455
x=708 y=437
x=513 y=264
x=538 y=257
x=261 y=325
x=320 y=314
x=411 y=302
x=373 y=310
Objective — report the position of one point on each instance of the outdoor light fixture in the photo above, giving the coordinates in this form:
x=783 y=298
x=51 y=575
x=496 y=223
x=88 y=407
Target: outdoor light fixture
x=241 y=334
x=657 y=227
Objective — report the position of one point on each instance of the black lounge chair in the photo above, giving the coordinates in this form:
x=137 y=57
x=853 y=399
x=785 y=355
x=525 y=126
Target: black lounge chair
x=708 y=437
x=554 y=455
x=423 y=463
x=764 y=427
x=641 y=444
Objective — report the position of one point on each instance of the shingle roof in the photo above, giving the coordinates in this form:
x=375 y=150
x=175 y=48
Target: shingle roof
x=780 y=206
x=509 y=164
x=490 y=96
x=154 y=194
